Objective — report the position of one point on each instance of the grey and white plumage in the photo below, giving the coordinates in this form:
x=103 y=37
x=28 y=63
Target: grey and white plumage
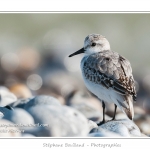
x=107 y=74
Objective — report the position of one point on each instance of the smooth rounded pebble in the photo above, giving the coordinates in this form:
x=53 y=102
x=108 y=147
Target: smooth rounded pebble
x=3 y=88
x=21 y=118
x=59 y=120
x=90 y=106
x=20 y=90
x=82 y=97
x=124 y=127
x=4 y=111
x=143 y=122
x=27 y=135
x=42 y=99
x=6 y=97
x=8 y=129
x=100 y=132
x=20 y=103
x=89 y=112
x=92 y=125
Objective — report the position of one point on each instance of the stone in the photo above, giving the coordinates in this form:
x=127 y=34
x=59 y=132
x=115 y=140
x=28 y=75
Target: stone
x=123 y=127
x=89 y=112
x=20 y=103
x=143 y=122
x=146 y=105
x=100 y=132
x=121 y=115
x=138 y=110
x=80 y=97
x=27 y=135
x=6 y=97
x=4 y=111
x=86 y=104
x=59 y=121
x=92 y=125
x=21 y=118
x=8 y=129
x=21 y=91
x=143 y=135
x=42 y=99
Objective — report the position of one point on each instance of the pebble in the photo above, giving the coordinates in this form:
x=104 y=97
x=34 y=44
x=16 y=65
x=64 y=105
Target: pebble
x=100 y=132
x=59 y=121
x=4 y=111
x=82 y=97
x=6 y=97
x=10 y=131
x=27 y=135
x=20 y=103
x=143 y=122
x=21 y=118
x=20 y=90
x=146 y=105
x=123 y=127
x=121 y=115
x=89 y=112
x=92 y=125
x=42 y=99
x=87 y=105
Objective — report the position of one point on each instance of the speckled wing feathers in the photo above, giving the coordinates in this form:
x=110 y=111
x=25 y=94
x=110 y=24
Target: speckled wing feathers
x=111 y=70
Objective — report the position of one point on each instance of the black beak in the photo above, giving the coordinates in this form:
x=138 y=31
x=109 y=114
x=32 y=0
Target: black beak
x=78 y=52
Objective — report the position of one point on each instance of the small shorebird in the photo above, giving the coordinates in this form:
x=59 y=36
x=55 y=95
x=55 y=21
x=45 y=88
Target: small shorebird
x=107 y=75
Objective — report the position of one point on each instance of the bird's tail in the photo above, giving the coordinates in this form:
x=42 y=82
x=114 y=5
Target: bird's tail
x=127 y=106
x=130 y=111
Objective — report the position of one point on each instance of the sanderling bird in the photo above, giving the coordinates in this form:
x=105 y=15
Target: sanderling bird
x=107 y=74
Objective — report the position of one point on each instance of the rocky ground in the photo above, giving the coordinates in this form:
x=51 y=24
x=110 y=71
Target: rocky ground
x=74 y=116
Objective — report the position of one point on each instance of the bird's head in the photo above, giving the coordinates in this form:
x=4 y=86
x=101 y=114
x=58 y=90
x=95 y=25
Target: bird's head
x=93 y=43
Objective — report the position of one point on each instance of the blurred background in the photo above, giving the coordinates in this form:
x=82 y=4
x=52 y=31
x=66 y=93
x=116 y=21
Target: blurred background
x=34 y=51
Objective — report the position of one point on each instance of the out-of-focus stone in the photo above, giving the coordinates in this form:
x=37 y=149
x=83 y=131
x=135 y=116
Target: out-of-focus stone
x=92 y=125
x=59 y=120
x=87 y=104
x=110 y=109
x=6 y=97
x=29 y=58
x=4 y=89
x=143 y=122
x=42 y=99
x=21 y=118
x=104 y=133
x=8 y=129
x=80 y=97
x=46 y=91
x=60 y=82
x=4 y=111
x=143 y=135
x=27 y=135
x=137 y=113
x=89 y=112
x=21 y=91
x=20 y=103
x=146 y=105
x=121 y=115
x=138 y=110
x=123 y=127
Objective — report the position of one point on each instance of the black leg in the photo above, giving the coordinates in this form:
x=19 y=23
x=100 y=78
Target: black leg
x=103 y=121
x=114 y=112
x=103 y=105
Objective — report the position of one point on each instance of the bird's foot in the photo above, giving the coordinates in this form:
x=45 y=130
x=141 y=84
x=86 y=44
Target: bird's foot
x=100 y=123
x=113 y=119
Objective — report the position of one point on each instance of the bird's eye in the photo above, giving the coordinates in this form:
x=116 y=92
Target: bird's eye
x=93 y=44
